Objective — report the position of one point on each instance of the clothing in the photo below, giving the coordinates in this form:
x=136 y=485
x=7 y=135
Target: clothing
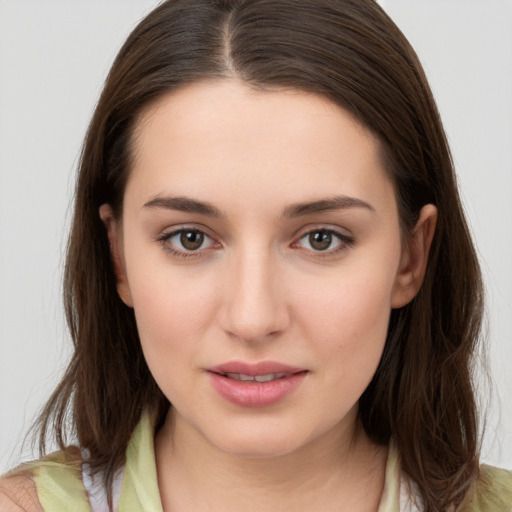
x=61 y=480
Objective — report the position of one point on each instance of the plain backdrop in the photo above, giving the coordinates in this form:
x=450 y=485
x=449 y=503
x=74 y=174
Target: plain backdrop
x=54 y=56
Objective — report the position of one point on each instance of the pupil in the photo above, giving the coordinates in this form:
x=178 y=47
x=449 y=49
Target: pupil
x=191 y=240
x=320 y=240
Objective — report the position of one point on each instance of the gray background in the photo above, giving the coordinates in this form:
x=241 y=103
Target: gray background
x=54 y=55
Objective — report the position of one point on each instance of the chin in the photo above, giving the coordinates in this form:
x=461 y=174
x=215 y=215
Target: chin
x=258 y=444
x=262 y=450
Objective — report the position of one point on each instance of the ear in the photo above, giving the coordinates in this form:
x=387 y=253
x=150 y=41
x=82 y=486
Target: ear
x=414 y=259
x=115 y=239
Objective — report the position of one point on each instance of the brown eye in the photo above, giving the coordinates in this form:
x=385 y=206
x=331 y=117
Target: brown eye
x=187 y=242
x=327 y=241
x=320 y=240
x=191 y=240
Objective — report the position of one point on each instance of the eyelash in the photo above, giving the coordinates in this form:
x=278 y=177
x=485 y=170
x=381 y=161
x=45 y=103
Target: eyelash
x=344 y=240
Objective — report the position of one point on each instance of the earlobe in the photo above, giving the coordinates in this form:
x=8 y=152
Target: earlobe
x=114 y=239
x=415 y=258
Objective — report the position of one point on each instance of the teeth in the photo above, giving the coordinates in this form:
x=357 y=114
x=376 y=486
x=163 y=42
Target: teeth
x=265 y=378
x=258 y=378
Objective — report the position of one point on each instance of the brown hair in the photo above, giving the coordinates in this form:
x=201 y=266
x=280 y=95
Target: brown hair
x=352 y=53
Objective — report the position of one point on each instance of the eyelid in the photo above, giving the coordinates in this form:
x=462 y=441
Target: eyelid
x=343 y=233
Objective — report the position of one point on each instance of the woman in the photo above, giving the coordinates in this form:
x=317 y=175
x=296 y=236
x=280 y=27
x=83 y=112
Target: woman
x=268 y=236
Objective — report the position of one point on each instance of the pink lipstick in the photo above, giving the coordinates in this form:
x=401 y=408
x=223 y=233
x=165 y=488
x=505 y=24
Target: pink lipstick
x=255 y=385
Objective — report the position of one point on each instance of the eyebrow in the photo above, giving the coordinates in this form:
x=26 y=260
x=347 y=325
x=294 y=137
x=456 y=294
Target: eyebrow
x=186 y=204
x=326 y=205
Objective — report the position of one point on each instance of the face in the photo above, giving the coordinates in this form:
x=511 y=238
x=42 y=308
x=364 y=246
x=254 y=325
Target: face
x=260 y=249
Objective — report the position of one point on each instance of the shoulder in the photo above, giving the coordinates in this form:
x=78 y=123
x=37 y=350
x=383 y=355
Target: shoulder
x=18 y=493
x=43 y=484
x=492 y=492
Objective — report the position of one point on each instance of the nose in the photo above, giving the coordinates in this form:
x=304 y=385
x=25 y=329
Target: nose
x=254 y=305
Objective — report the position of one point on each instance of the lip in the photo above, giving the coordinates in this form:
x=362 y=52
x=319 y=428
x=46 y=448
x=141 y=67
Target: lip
x=261 y=368
x=252 y=393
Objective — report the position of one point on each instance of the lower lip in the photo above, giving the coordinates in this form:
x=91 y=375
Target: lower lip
x=255 y=394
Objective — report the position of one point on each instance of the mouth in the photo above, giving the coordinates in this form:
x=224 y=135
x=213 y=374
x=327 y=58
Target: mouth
x=255 y=385
x=269 y=377
x=264 y=371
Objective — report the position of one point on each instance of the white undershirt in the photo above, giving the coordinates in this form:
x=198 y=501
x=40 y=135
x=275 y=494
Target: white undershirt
x=96 y=490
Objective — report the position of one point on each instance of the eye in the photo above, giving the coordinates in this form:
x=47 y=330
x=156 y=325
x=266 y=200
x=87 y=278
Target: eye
x=324 y=240
x=189 y=240
x=186 y=241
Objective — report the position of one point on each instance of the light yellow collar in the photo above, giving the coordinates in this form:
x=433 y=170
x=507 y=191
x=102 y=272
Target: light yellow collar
x=140 y=482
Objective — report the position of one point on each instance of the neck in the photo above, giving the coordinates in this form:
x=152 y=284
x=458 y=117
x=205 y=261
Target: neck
x=340 y=470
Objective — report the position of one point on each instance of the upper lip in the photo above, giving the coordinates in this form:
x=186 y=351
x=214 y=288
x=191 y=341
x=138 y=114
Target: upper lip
x=253 y=369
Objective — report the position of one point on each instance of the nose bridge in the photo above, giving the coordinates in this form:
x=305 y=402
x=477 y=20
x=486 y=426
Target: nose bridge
x=255 y=307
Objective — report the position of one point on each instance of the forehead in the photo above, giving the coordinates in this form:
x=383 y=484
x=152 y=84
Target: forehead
x=210 y=138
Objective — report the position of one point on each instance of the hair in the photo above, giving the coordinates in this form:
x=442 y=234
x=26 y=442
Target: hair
x=349 y=51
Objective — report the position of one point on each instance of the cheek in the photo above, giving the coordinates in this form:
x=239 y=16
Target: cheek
x=173 y=309
x=354 y=306
x=347 y=319
x=172 y=319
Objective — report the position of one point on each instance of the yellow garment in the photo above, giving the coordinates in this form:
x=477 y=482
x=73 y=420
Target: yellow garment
x=58 y=480
x=493 y=492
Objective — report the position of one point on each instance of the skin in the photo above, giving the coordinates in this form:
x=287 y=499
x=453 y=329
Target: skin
x=18 y=494
x=258 y=289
